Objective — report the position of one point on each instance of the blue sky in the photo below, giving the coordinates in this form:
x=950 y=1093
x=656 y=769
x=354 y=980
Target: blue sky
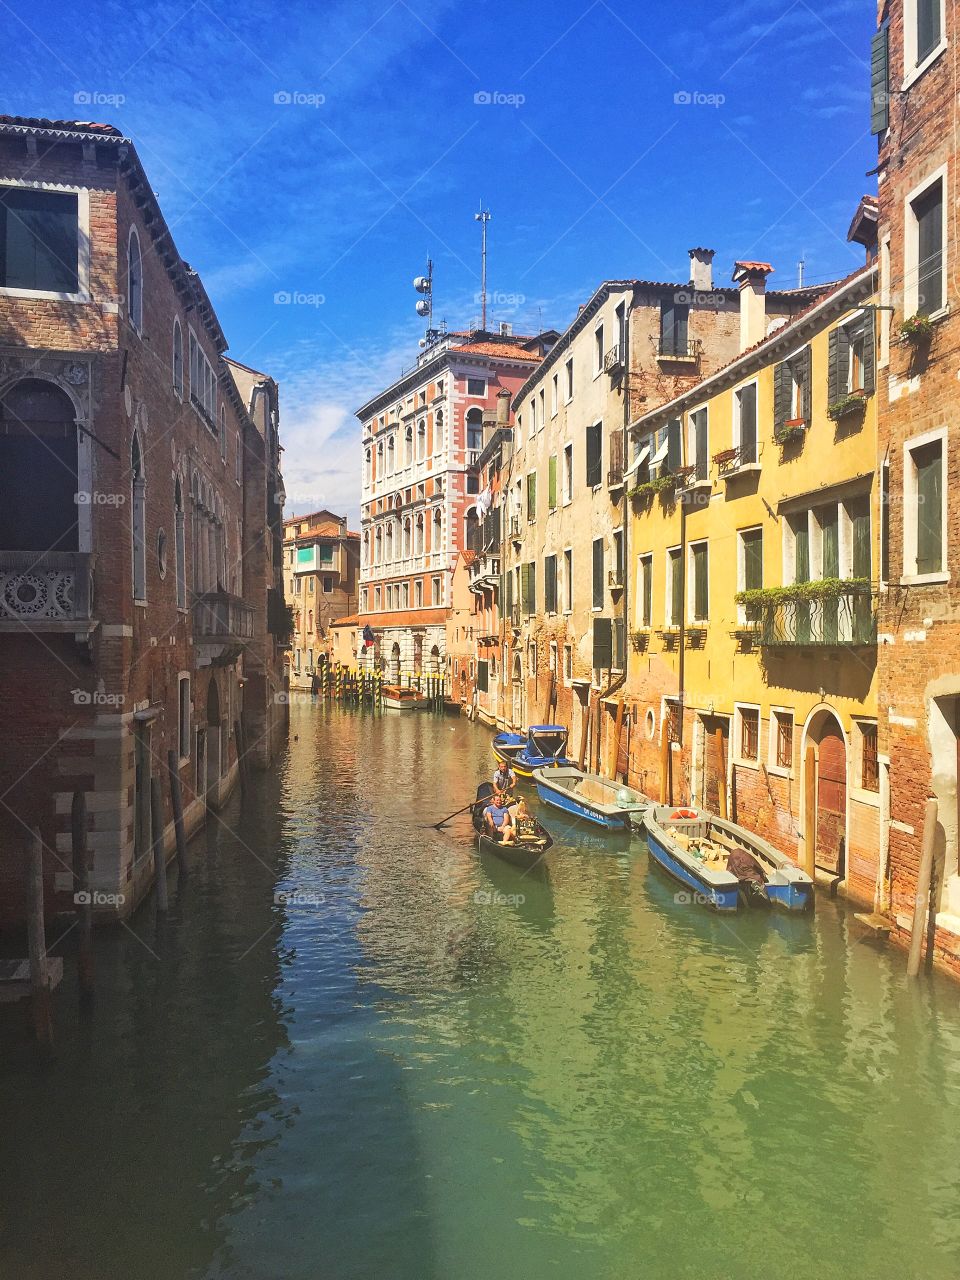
x=324 y=149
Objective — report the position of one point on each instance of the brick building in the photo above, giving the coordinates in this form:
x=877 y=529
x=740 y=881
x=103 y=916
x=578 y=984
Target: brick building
x=322 y=565
x=632 y=346
x=420 y=439
x=915 y=91
x=138 y=540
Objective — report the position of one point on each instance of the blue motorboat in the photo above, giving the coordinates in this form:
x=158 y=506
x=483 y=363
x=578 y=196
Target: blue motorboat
x=723 y=865
x=606 y=803
x=543 y=749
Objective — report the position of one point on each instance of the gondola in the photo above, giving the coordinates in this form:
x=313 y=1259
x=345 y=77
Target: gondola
x=527 y=852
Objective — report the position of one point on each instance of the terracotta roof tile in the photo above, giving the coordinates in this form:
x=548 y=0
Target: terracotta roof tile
x=506 y=350
x=400 y=618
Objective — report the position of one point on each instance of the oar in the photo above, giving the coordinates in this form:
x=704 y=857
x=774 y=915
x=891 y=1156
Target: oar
x=438 y=825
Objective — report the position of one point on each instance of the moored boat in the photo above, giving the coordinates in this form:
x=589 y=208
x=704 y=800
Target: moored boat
x=600 y=800
x=724 y=865
x=542 y=748
x=399 y=699
x=526 y=851
x=506 y=746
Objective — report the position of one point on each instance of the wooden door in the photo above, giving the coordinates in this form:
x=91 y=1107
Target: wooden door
x=715 y=756
x=831 y=784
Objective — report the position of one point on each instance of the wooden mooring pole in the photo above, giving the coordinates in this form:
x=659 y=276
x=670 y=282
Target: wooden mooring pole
x=617 y=736
x=41 y=1005
x=81 y=891
x=156 y=831
x=921 y=905
x=584 y=734
x=176 y=801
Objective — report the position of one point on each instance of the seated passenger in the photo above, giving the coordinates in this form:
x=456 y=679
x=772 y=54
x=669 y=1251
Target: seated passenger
x=524 y=826
x=496 y=818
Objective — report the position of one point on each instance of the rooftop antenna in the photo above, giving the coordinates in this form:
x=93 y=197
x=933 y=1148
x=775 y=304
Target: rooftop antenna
x=800 y=266
x=483 y=217
x=424 y=286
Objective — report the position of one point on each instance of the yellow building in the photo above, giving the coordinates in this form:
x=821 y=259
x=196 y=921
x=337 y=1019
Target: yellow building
x=754 y=543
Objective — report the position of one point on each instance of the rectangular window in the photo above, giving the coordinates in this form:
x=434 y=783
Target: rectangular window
x=476 y=387
x=928 y=28
x=568 y=581
x=924 y=244
x=885 y=522
x=698 y=444
x=554 y=394
x=550 y=584
x=418 y=594
x=598 y=349
x=568 y=369
x=750 y=569
x=594 y=454
x=552 y=482
x=528 y=588
x=674 y=322
x=783 y=739
x=598 y=573
x=405 y=595
x=533 y=415
x=926 y=462
x=618 y=556
x=184 y=735
x=746 y=423
x=699 y=574
x=435 y=591
x=39 y=240
x=674 y=610
x=568 y=663
x=645 y=590
x=532 y=496
x=602 y=644
x=377 y=598
x=567 y=473
x=483 y=675
x=869 y=763
x=749 y=733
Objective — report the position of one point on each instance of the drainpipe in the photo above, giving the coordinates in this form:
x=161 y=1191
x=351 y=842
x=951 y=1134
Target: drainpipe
x=683 y=616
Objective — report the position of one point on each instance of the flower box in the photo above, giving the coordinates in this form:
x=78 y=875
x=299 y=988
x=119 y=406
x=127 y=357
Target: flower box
x=916 y=329
x=854 y=402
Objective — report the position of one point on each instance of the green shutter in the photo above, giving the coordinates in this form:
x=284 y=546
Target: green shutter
x=676 y=588
x=860 y=521
x=802 y=552
x=550 y=584
x=869 y=353
x=830 y=545
x=648 y=591
x=602 y=644
x=552 y=483
x=880 y=81
x=593 y=455
x=598 y=573
x=838 y=375
x=782 y=390
x=700 y=570
x=673 y=445
x=532 y=496
x=803 y=370
x=929 y=464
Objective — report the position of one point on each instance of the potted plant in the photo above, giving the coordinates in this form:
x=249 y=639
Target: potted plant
x=792 y=429
x=852 y=402
x=916 y=329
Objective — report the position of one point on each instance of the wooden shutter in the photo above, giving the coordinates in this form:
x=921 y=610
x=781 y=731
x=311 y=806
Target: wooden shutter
x=869 y=353
x=602 y=644
x=552 y=483
x=550 y=584
x=753 y=560
x=700 y=442
x=801 y=552
x=508 y=596
x=880 y=81
x=673 y=445
x=928 y=461
x=598 y=573
x=532 y=496
x=748 y=423
x=482 y=676
x=619 y=643
x=525 y=588
x=593 y=455
x=838 y=373
x=700 y=581
x=676 y=588
x=803 y=371
x=782 y=393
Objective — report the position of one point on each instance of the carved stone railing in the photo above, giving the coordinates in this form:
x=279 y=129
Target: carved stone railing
x=46 y=590
x=218 y=615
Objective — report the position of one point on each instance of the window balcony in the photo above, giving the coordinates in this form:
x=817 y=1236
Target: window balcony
x=222 y=625
x=613 y=360
x=846 y=619
x=739 y=461
x=47 y=591
x=676 y=349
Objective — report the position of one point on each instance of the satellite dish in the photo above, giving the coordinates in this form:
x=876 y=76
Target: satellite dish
x=423 y=308
x=421 y=284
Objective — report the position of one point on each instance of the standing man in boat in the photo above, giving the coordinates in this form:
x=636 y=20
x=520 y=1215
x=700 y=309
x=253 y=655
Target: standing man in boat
x=504 y=780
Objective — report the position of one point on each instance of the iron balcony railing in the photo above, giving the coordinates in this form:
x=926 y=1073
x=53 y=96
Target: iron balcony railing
x=669 y=348
x=847 y=619
x=46 y=589
x=218 y=615
x=613 y=359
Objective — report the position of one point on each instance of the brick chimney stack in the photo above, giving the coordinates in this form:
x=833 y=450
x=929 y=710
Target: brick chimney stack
x=701 y=269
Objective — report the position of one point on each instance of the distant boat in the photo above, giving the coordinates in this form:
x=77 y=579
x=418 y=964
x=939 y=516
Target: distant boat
x=721 y=863
x=399 y=699
x=526 y=852
x=600 y=800
x=542 y=747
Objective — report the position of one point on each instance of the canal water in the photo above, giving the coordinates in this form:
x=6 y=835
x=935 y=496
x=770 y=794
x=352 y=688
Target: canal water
x=354 y=1048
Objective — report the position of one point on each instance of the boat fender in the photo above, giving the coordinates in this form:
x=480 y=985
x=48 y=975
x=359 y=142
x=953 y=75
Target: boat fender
x=683 y=813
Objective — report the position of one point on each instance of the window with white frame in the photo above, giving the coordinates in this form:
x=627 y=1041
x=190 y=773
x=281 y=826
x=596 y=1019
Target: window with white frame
x=924 y=36
x=674 y=588
x=598 y=349
x=925 y=244
x=747 y=734
x=568 y=663
x=532 y=658
x=924 y=506
x=749 y=570
x=554 y=394
x=698 y=585
x=568 y=580
x=553 y=658
x=645 y=590
x=134 y=281
x=780 y=753
x=476 y=387
x=567 y=473
x=40 y=235
x=568 y=382
x=533 y=415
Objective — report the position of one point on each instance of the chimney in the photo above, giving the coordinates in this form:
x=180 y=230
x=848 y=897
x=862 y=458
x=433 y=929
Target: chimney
x=701 y=269
x=752 y=279
x=503 y=407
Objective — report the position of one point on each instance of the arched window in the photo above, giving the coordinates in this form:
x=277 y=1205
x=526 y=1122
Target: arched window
x=139 y=519
x=391 y=456
x=180 y=543
x=418 y=537
x=406 y=537
x=367 y=466
x=438 y=431
x=389 y=542
x=437 y=539
x=366 y=546
x=408 y=446
x=38 y=456
x=378 y=547
x=421 y=440
x=134 y=281
x=473 y=522
x=223 y=432
x=177 y=358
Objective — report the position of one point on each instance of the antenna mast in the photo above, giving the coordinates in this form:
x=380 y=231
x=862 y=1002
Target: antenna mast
x=483 y=217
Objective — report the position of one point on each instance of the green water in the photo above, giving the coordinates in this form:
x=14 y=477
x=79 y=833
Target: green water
x=434 y=1067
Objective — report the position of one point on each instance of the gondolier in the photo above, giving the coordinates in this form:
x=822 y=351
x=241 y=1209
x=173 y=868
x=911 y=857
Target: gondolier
x=504 y=780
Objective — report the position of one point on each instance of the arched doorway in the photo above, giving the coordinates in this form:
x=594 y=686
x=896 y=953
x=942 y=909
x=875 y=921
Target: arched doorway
x=393 y=671
x=38 y=455
x=213 y=734
x=517 y=692
x=825 y=790
x=418 y=654
x=434 y=667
